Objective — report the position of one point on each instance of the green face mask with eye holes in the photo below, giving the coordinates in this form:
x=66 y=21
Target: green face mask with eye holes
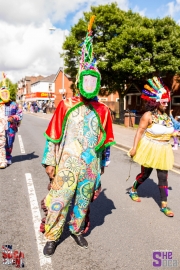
x=89 y=83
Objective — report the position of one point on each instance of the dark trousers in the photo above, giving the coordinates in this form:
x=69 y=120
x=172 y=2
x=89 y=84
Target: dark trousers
x=162 y=177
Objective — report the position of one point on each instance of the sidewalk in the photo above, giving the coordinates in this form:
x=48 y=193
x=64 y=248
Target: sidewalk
x=124 y=137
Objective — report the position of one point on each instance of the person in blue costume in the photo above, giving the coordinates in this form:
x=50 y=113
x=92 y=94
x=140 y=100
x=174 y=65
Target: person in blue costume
x=10 y=118
x=176 y=125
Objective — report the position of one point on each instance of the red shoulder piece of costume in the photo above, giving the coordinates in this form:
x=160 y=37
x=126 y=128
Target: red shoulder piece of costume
x=106 y=137
x=55 y=128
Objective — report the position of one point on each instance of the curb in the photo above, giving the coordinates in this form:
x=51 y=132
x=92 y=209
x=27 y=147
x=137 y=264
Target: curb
x=125 y=147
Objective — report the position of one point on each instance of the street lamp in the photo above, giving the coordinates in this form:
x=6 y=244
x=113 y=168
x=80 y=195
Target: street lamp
x=54 y=29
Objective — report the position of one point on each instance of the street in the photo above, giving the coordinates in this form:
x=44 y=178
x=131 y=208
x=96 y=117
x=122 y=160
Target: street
x=123 y=233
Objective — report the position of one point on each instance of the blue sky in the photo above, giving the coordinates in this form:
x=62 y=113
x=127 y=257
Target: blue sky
x=151 y=9
x=156 y=8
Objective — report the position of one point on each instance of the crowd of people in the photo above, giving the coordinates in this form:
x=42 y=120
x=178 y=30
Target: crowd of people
x=39 y=106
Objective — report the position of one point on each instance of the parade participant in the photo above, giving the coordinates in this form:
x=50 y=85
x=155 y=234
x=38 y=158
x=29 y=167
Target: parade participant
x=10 y=117
x=153 y=150
x=176 y=125
x=77 y=149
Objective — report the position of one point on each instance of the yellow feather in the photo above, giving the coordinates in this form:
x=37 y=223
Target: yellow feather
x=91 y=23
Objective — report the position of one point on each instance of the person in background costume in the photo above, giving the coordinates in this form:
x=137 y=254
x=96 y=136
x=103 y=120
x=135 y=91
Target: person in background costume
x=153 y=150
x=176 y=125
x=10 y=117
x=77 y=150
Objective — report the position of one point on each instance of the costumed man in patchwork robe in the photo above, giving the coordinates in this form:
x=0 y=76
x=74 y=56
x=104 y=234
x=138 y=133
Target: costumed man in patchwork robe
x=77 y=149
x=10 y=117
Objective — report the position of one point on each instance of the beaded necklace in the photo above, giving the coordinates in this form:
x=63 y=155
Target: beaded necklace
x=162 y=119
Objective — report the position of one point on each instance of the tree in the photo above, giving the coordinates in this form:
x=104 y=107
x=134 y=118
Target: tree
x=12 y=89
x=128 y=46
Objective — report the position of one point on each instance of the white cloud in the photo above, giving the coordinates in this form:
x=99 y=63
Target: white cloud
x=141 y=12
x=173 y=7
x=27 y=46
x=27 y=11
x=123 y=4
x=26 y=50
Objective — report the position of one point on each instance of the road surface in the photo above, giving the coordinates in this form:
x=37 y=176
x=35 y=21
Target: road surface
x=123 y=233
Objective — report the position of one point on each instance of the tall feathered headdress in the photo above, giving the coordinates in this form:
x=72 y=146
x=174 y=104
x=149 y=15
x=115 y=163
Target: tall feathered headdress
x=156 y=90
x=88 y=77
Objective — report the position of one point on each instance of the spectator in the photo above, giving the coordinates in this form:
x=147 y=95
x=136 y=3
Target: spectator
x=113 y=114
x=176 y=124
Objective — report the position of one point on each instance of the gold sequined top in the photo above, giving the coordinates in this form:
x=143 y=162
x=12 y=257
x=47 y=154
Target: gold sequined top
x=161 y=128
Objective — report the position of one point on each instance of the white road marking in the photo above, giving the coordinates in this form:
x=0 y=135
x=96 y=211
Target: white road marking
x=175 y=171
x=45 y=263
x=21 y=144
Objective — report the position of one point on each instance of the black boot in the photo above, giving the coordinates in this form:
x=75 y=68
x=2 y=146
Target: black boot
x=49 y=248
x=80 y=240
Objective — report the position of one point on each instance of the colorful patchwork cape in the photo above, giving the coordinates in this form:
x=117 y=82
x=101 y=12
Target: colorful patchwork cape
x=56 y=127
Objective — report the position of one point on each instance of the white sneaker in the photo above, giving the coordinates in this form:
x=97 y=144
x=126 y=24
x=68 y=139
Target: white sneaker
x=175 y=147
x=9 y=162
x=3 y=167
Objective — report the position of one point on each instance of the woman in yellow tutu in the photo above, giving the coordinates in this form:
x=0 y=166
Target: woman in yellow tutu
x=152 y=148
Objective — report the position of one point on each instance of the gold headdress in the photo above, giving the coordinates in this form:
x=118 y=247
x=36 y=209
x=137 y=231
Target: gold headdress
x=4 y=91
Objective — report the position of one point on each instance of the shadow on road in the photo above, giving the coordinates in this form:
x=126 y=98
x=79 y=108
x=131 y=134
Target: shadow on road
x=99 y=209
x=149 y=189
x=24 y=157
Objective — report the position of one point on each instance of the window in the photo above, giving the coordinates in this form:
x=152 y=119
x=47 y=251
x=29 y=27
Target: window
x=138 y=100
x=176 y=100
x=103 y=99
x=129 y=100
x=50 y=86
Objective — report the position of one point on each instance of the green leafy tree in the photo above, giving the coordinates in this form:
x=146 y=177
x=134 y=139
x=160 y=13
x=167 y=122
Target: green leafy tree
x=128 y=47
x=12 y=89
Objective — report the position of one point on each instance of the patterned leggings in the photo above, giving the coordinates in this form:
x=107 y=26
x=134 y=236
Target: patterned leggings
x=10 y=137
x=162 y=177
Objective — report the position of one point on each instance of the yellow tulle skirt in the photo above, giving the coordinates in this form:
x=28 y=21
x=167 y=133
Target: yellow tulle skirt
x=154 y=154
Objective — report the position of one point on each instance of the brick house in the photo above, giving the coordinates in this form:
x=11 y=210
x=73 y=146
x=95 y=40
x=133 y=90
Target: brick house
x=24 y=86
x=175 y=98
x=61 y=93
x=134 y=102
x=42 y=90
